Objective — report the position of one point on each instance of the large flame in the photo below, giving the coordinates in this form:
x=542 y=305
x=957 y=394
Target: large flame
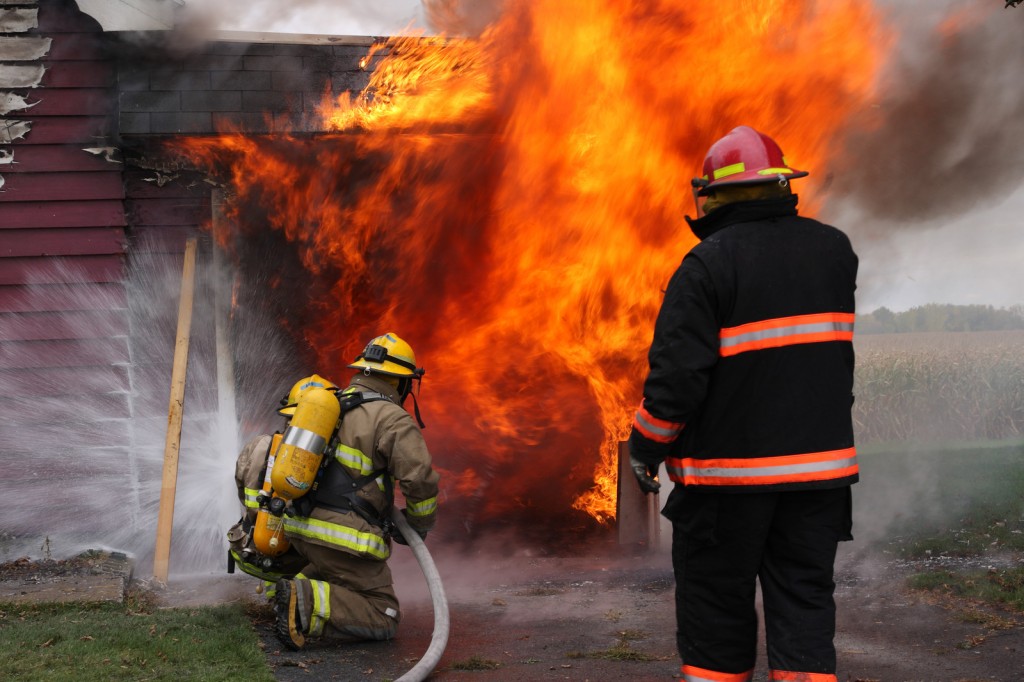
x=513 y=206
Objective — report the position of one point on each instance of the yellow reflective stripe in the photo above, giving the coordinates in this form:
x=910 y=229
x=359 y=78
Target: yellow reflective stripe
x=334 y=534
x=427 y=506
x=731 y=169
x=774 y=171
x=251 y=501
x=353 y=458
x=321 y=606
x=255 y=570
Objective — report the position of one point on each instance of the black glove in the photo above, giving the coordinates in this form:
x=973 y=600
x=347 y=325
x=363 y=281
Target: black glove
x=647 y=479
x=400 y=539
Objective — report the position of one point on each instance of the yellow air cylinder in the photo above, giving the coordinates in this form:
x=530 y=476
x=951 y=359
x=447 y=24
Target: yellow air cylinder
x=268 y=531
x=303 y=444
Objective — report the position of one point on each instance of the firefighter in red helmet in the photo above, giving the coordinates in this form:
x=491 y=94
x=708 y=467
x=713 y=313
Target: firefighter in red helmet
x=748 y=404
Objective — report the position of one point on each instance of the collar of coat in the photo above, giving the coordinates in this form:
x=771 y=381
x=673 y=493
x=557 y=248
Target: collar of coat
x=741 y=212
x=374 y=383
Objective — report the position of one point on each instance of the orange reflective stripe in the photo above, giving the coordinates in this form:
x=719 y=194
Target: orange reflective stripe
x=787 y=676
x=692 y=673
x=658 y=430
x=811 y=466
x=786 y=331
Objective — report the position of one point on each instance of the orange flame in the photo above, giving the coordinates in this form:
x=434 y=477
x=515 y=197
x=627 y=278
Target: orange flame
x=513 y=206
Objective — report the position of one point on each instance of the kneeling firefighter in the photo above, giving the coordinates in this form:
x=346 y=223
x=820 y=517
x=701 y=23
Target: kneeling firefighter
x=341 y=528
x=256 y=543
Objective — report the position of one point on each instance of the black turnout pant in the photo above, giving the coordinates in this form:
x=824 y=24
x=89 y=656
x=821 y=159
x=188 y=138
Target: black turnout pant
x=722 y=543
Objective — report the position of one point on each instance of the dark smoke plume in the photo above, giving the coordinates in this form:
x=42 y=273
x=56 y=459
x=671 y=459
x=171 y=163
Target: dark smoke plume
x=946 y=134
x=463 y=18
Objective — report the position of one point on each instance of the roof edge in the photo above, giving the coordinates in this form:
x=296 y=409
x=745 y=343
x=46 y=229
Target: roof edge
x=289 y=38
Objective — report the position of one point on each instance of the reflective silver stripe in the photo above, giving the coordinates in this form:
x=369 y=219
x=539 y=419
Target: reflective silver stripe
x=354 y=458
x=794 y=330
x=304 y=439
x=780 y=470
x=321 y=606
x=252 y=500
x=332 y=533
x=427 y=506
x=657 y=430
x=734 y=677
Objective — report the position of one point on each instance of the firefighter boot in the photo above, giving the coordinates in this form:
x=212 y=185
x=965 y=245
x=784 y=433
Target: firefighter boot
x=288 y=627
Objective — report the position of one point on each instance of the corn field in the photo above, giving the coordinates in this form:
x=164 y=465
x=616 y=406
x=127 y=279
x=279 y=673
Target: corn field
x=939 y=386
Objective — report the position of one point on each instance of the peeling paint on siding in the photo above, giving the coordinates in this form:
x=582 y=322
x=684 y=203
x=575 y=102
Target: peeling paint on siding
x=108 y=153
x=11 y=102
x=6 y=156
x=18 y=20
x=11 y=130
x=21 y=76
x=24 y=48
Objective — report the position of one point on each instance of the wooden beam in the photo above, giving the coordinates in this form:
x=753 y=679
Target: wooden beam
x=165 y=518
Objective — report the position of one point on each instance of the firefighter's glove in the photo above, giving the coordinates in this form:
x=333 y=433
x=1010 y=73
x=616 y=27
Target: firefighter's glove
x=400 y=539
x=647 y=479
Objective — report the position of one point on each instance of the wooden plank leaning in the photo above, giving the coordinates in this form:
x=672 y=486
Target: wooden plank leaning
x=165 y=517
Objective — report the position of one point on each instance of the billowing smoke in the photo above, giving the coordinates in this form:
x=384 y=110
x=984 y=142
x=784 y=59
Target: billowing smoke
x=461 y=17
x=378 y=18
x=945 y=134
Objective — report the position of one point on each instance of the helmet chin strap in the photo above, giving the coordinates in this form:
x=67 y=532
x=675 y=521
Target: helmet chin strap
x=404 y=387
x=416 y=410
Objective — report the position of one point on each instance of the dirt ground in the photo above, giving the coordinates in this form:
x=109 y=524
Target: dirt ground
x=598 y=618
x=611 y=618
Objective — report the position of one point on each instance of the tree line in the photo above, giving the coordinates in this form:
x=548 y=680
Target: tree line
x=937 y=317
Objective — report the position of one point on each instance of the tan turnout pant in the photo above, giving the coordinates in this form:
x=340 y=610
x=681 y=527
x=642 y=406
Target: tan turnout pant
x=343 y=596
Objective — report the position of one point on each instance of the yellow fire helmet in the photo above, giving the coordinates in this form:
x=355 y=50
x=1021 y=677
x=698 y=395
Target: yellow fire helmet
x=389 y=355
x=301 y=386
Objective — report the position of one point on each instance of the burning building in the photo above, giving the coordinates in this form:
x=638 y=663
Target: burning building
x=510 y=203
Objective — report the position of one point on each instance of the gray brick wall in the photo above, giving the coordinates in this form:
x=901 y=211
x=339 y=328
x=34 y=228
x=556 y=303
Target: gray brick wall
x=253 y=87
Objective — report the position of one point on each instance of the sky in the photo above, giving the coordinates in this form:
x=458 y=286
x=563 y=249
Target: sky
x=962 y=252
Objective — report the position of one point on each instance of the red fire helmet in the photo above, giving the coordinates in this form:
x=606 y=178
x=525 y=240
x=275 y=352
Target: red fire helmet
x=743 y=157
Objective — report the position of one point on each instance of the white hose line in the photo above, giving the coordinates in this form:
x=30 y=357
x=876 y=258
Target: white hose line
x=439 y=640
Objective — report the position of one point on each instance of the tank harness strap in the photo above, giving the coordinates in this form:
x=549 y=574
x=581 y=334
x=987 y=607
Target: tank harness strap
x=336 y=489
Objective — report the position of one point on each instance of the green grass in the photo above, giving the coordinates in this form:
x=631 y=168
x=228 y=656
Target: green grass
x=131 y=641
x=954 y=500
x=1003 y=586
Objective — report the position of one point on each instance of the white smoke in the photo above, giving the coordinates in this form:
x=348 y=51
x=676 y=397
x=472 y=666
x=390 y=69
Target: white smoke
x=314 y=17
x=931 y=182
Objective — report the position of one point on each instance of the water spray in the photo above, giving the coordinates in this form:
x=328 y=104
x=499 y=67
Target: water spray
x=165 y=519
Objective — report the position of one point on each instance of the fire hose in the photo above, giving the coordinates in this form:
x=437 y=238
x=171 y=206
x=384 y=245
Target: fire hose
x=439 y=639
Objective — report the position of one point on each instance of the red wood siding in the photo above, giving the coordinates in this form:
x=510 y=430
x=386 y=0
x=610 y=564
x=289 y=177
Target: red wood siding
x=63 y=307
x=55 y=297
x=62 y=214
x=42 y=158
x=64 y=241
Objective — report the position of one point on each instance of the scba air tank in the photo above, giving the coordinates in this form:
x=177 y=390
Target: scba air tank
x=268 y=531
x=303 y=443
